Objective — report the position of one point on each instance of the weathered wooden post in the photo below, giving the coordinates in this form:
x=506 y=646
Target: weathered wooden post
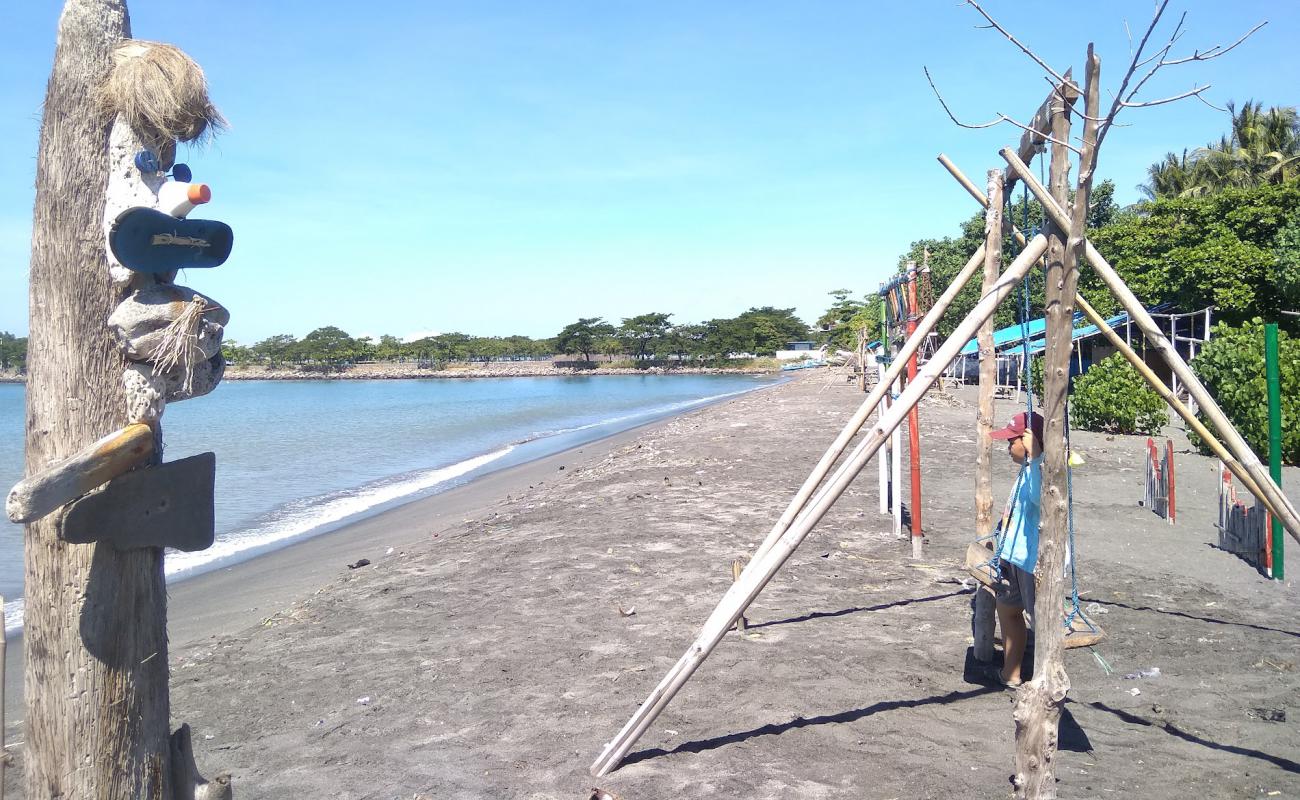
x=95 y=628
x=95 y=624
x=985 y=618
x=1040 y=700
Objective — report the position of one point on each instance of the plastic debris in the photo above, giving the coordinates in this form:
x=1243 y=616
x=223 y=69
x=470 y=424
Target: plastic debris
x=1151 y=672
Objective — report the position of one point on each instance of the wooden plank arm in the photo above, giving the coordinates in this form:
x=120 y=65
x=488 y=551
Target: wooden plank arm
x=57 y=485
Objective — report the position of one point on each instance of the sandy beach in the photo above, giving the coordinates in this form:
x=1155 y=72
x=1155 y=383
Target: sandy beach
x=505 y=630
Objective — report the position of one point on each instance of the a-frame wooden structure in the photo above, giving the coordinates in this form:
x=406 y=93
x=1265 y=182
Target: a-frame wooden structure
x=1060 y=246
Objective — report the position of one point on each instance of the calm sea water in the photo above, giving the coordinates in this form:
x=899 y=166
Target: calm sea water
x=296 y=459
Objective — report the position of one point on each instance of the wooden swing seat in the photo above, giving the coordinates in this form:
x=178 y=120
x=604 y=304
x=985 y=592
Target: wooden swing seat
x=1083 y=632
x=979 y=564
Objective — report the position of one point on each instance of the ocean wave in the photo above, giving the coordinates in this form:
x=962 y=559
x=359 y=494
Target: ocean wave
x=312 y=515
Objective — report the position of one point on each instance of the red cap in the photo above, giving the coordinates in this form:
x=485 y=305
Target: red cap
x=1025 y=419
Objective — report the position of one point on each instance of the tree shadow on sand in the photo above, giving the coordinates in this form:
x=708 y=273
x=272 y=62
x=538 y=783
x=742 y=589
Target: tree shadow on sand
x=1185 y=615
x=907 y=601
x=1173 y=730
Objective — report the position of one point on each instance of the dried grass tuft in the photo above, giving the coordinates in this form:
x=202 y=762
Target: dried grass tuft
x=160 y=92
x=180 y=343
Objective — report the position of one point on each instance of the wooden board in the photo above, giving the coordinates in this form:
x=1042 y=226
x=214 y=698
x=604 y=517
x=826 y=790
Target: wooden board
x=61 y=483
x=170 y=505
x=978 y=558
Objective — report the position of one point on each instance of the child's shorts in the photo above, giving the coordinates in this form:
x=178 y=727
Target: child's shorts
x=1017 y=587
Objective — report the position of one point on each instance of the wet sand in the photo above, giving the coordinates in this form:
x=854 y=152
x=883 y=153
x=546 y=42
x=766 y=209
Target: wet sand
x=519 y=621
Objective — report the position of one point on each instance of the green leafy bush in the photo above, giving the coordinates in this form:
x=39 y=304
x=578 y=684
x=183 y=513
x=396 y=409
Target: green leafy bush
x=1231 y=365
x=1113 y=398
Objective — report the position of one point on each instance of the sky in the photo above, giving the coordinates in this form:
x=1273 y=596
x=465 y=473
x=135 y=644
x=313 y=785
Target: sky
x=501 y=168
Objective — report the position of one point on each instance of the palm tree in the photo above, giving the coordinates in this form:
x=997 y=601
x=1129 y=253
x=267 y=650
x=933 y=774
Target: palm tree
x=1171 y=177
x=1263 y=147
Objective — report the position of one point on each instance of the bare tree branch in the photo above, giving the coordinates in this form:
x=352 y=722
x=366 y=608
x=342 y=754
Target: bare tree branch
x=1211 y=53
x=1001 y=118
x=1016 y=42
x=1211 y=105
x=1147 y=103
x=956 y=121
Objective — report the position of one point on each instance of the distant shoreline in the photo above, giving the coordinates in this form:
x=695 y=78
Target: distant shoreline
x=454 y=370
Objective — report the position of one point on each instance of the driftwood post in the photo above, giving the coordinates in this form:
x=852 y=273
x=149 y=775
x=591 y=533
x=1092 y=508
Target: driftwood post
x=1040 y=701
x=984 y=606
x=95 y=631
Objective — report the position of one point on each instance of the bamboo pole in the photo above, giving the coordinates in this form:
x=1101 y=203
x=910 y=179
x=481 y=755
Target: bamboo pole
x=758 y=573
x=1232 y=439
x=859 y=418
x=1125 y=347
x=984 y=622
x=741 y=622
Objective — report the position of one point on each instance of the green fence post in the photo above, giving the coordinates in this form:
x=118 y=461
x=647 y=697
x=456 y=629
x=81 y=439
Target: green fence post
x=1274 y=434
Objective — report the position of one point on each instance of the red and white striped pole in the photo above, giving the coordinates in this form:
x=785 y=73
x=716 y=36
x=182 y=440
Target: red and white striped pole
x=914 y=418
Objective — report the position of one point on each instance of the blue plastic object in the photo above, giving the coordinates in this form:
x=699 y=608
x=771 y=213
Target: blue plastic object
x=181 y=173
x=146 y=161
x=145 y=240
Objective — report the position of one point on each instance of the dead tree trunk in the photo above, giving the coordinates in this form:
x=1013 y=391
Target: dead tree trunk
x=95 y=636
x=1040 y=701
x=984 y=606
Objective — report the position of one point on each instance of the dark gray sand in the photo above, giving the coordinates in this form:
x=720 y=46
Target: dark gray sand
x=518 y=622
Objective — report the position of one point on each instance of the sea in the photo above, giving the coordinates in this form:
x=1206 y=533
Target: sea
x=299 y=458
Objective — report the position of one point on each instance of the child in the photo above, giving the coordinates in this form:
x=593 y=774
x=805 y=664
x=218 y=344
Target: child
x=1018 y=551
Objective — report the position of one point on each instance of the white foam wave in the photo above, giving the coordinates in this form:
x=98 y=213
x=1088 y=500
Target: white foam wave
x=13 y=615
x=314 y=514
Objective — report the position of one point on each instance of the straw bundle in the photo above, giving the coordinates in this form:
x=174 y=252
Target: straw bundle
x=161 y=93
x=180 y=345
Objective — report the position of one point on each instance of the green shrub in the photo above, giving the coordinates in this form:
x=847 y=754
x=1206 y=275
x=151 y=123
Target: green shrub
x=1231 y=365
x=1113 y=398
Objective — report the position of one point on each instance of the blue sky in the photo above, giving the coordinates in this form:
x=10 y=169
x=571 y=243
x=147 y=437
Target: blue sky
x=507 y=167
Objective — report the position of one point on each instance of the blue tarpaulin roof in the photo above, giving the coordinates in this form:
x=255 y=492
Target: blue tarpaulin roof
x=1039 y=346
x=1011 y=336
x=1008 y=336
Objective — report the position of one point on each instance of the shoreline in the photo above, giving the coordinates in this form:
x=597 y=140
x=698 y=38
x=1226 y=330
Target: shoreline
x=225 y=599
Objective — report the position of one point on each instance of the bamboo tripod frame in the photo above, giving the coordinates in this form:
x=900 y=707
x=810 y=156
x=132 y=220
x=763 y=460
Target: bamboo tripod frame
x=803 y=514
x=762 y=569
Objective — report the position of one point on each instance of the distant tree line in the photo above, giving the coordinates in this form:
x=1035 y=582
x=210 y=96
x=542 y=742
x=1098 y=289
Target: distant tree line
x=645 y=337
x=332 y=346
x=13 y=352
x=758 y=332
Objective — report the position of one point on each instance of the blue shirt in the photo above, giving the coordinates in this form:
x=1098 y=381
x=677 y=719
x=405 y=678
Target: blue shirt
x=1024 y=509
